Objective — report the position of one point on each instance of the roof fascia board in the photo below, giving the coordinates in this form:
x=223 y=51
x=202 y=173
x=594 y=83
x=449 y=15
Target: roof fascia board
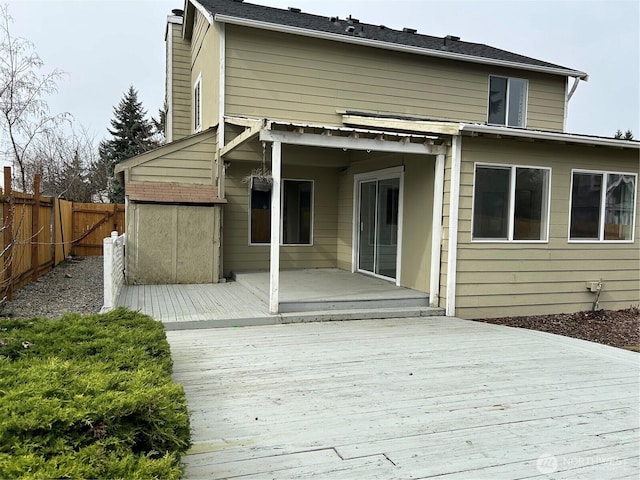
x=207 y=14
x=244 y=22
x=552 y=136
x=165 y=149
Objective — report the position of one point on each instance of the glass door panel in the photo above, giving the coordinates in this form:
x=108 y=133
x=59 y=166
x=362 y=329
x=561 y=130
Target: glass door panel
x=387 y=227
x=366 y=251
x=378 y=242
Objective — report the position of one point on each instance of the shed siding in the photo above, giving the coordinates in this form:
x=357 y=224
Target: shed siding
x=180 y=110
x=497 y=279
x=172 y=244
x=302 y=79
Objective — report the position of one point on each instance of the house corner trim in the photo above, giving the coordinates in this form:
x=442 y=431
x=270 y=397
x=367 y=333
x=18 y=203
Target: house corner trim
x=454 y=204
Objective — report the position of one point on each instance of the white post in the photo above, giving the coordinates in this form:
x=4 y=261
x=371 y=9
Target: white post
x=274 y=270
x=436 y=232
x=107 y=252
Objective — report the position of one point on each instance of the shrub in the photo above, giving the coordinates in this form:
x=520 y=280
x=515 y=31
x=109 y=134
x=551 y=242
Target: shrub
x=89 y=397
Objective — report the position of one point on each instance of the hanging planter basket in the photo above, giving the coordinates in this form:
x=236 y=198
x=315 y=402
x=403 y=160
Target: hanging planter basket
x=260 y=180
x=261 y=184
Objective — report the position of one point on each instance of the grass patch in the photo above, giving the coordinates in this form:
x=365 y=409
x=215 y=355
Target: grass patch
x=89 y=397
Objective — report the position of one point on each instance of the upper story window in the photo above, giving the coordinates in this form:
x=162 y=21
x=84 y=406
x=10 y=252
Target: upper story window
x=507 y=101
x=602 y=206
x=197 y=104
x=511 y=203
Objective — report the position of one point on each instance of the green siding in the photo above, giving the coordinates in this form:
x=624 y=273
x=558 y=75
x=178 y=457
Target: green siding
x=279 y=76
x=496 y=279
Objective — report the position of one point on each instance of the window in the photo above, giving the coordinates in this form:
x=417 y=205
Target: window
x=197 y=104
x=297 y=214
x=511 y=203
x=602 y=206
x=507 y=101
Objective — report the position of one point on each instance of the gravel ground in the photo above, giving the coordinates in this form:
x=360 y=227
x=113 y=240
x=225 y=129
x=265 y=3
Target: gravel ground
x=73 y=286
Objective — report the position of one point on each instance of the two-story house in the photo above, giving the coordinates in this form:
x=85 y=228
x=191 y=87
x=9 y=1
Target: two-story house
x=434 y=163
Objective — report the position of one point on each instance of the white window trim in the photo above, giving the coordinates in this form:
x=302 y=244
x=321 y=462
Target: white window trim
x=313 y=214
x=600 y=240
x=512 y=192
x=506 y=114
x=197 y=127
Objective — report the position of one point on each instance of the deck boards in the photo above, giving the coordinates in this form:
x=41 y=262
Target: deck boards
x=317 y=295
x=405 y=398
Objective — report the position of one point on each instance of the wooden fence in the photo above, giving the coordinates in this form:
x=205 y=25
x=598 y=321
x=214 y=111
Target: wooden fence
x=40 y=232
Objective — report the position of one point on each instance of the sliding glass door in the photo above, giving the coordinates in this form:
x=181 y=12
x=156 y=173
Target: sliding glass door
x=379 y=207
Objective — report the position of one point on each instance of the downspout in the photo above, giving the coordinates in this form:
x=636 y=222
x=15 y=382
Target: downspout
x=222 y=169
x=454 y=203
x=222 y=86
x=576 y=81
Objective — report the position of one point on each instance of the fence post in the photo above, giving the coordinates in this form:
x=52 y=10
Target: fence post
x=108 y=247
x=7 y=225
x=107 y=252
x=35 y=228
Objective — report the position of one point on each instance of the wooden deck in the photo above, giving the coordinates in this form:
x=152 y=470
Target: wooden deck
x=307 y=295
x=408 y=398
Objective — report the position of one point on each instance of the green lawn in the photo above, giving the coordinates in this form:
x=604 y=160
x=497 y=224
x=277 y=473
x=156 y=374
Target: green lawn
x=89 y=397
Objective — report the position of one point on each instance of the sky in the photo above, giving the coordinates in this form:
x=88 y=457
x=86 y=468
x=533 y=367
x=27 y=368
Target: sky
x=106 y=45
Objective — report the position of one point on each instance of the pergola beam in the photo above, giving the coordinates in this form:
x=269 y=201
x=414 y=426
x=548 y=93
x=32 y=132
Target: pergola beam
x=245 y=136
x=390 y=143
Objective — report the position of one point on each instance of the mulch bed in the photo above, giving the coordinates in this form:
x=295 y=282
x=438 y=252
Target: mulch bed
x=617 y=328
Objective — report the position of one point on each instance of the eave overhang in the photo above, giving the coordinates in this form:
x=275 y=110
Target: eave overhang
x=480 y=129
x=244 y=22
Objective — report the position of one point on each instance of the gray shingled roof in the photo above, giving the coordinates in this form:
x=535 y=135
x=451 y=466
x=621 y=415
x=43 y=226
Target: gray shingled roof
x=339 y=26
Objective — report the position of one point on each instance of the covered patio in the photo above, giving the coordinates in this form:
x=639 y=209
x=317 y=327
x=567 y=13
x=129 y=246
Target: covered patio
x=307 y=295
x=355 y=199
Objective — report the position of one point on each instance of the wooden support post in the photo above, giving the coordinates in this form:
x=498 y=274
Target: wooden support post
x=274 y=270
x=7 y=224
x=35 y=228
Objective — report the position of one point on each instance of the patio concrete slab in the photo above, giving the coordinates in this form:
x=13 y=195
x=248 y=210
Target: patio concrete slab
x=325 y=284
x=406 y=398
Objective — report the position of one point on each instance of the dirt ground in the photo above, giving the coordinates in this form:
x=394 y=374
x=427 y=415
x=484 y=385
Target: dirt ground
x=617 y=328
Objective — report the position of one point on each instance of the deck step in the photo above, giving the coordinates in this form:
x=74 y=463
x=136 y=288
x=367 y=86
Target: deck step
x=360 y=314
x=309 y=316
x=364 y=304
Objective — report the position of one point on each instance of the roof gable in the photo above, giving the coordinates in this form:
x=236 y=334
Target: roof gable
x=354 y=31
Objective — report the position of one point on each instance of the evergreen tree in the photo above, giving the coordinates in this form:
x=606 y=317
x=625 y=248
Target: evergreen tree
x=628 y=135
x=132 y=134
